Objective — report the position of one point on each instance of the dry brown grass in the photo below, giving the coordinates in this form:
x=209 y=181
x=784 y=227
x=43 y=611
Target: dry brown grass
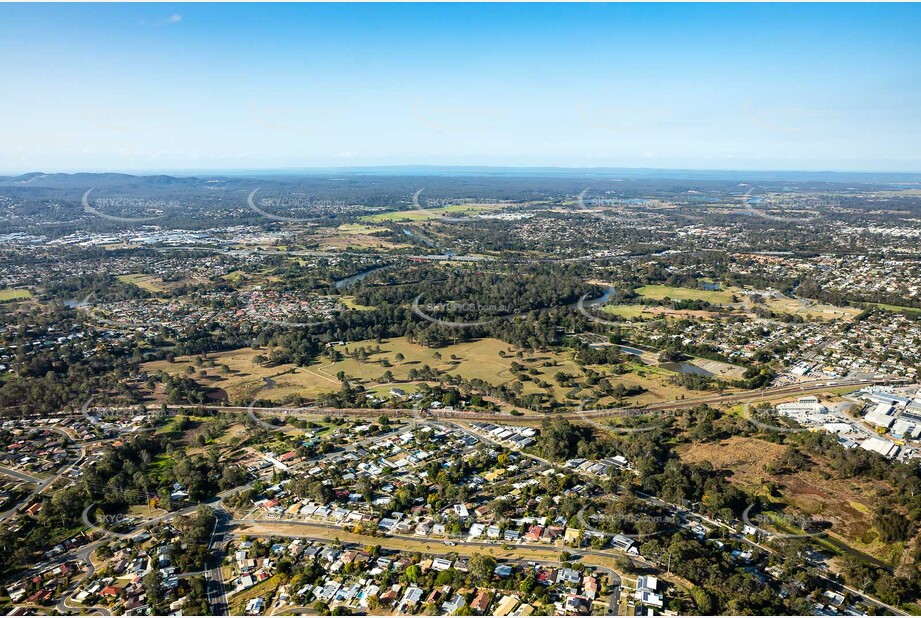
x=847 y=504
x=743 y=457
x=476 y=359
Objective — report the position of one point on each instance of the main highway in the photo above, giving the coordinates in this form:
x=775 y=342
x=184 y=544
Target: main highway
x=217 y=592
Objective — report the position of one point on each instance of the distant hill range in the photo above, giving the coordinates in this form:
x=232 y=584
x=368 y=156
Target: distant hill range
x=58 y=197
x=310 y=175
x=86 y=180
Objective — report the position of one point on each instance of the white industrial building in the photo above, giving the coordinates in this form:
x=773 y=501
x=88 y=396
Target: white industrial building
x=803 y=405
x=881 y=416
x=884 y=447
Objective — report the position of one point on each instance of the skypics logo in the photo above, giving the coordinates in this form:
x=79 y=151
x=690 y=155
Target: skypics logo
x=291 y=203
x=103 y=205
x=431 y=205
x=655 y=525
x=120 y=420
x=580 y=307
x=280 y=428
x=780 y=519
x=762 y=423
x=106 y=523
x=295 y=312
x=434 y=210
x=469 y=314
x=415 y=415
x=593 y=416
x=284 y=309
x=600 y=205
x=788 y=203
x=110 y=524
x=97 y=313
x=456 y=308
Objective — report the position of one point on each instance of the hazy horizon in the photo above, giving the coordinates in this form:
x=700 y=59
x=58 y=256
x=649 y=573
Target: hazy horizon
x=896 y=177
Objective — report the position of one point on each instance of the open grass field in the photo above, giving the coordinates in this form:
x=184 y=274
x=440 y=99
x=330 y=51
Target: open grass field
x=801 y=307
x=401 y=215
x=719 y=369
x=145 y=282
x=145 y=510
x=357 y=236
x=846 y=503
x=358 y=228
x=658 y=292
x=656 y=382
x=424 y=214
x=11 y=294
x=812 y=309
x=234 y=275
x=631 y=312
x=895 y=308
x=234 y=431
x=244 y=380
x=479 y=359
x=383 y=390
x=349 y=301
x=628 y=312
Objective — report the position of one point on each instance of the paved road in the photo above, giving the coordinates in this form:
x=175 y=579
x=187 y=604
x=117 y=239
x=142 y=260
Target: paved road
x=616 y=582
x=686 y=513
x=833 y=583
x=42 y=485
x=217 y=592
x=22 y=476
x=801 y=388
x=65 y=604
x=222 y=531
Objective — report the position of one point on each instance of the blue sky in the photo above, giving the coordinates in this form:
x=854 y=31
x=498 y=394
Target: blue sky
x=211 y=87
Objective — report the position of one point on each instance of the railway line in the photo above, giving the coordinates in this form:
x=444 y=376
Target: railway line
x=802 y=388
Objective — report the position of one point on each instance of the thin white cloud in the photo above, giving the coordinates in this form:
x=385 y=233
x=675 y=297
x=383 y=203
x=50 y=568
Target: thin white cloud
x=175 y=18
